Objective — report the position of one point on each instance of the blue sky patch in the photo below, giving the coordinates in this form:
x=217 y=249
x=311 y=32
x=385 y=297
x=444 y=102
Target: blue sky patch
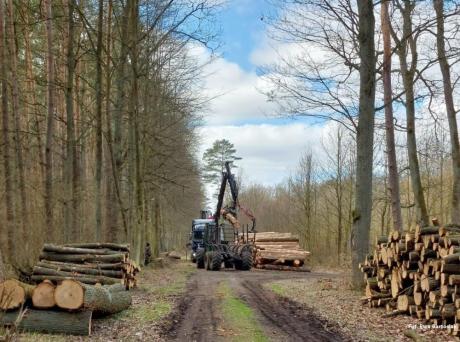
x=242 y=30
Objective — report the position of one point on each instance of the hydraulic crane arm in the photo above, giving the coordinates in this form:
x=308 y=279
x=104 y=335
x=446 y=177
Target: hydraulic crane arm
x=226 y=175
x=230 y=211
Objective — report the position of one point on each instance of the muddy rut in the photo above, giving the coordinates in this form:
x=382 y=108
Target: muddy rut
x=198 y=317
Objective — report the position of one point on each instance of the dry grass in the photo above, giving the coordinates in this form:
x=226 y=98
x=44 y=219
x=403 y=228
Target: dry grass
x=333 y=300
x=158 y=291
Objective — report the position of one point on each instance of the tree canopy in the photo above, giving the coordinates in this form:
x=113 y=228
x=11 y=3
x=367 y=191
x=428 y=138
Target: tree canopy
x=214 y=159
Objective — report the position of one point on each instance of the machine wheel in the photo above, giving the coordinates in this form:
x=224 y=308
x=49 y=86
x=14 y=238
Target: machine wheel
x=207 y=260
x=215 y=261
x=245 y=261
x=200 y=258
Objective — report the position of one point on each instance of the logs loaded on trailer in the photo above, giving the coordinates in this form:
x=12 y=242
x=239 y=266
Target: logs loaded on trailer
x=89 y=263
x=417 y=273
x=278 y=251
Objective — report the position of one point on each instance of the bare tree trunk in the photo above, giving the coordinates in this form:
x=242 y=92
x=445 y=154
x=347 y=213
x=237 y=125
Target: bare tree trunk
x=49 y=199
x=450 y=110
x=17 y=123
x=81 y=138
x=8 y=235
x=364 y=139
x=139 y=185
x=32 y=112
x=339 y=194
x=99 y=156
x=307 y=195
x=393 y=175
x=156 y=228
x=110 y=211
x=119 y=107
x=71 y=169
x=406 y=43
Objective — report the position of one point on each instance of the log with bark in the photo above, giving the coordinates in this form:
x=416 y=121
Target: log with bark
x=102 y=300
x=231 y=218
x=49 y=321
x=94 y=278
x=14 y=293
x=83 y=257
x=47 y=247
x=78 y=269
x=278 y=249
x=283 y=268
x=282 y=254
x=89 y=263
x=277 y=239
x=174 y=255
x=103 y=245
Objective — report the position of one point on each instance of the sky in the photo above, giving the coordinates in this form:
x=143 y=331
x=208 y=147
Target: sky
x=270 y=147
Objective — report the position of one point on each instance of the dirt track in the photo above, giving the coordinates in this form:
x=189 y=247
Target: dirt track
x=198 y=317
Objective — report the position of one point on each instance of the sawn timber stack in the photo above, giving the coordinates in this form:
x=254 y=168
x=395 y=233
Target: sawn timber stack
x=279 y=251
x=417 y=273
x=88 y=263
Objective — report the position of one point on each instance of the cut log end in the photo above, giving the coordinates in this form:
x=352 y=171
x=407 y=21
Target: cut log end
x=69 y=294
x=12 y=294
x=43 y=295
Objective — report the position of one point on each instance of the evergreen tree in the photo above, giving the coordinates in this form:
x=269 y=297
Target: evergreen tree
x=214 y=159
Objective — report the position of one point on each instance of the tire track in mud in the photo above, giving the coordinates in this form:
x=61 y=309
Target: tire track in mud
x=197 y=316
x=292 y=320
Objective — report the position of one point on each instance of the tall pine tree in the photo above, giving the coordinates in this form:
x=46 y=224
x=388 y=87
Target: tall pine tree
x=214 y=159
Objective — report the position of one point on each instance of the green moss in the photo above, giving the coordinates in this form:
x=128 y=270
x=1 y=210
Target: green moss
x=277 y=288
x=36 y=337
x=172 y=289
x=182 y=271
x=160 y=294
x=146 y=313
x=239 y=318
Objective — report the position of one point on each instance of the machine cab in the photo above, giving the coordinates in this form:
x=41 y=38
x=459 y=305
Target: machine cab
x=197 y=233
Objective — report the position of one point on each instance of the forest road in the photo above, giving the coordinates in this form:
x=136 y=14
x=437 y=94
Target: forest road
x=198 y=316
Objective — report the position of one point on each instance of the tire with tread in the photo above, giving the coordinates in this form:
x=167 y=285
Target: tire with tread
x=245 y=261
x=215 y=261
x=200 y=258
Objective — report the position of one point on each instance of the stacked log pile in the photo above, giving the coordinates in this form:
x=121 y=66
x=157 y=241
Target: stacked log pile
x=89 y=263
x=417 y=273
x=278 y=251
x=73 y=283
x=66 y=307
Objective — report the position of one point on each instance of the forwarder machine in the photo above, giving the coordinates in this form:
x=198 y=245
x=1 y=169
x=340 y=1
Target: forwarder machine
x=227 y=243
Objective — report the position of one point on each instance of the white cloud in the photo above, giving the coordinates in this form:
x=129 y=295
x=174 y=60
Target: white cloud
x=235 y=93
x=270 y=51
x=270 y=152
